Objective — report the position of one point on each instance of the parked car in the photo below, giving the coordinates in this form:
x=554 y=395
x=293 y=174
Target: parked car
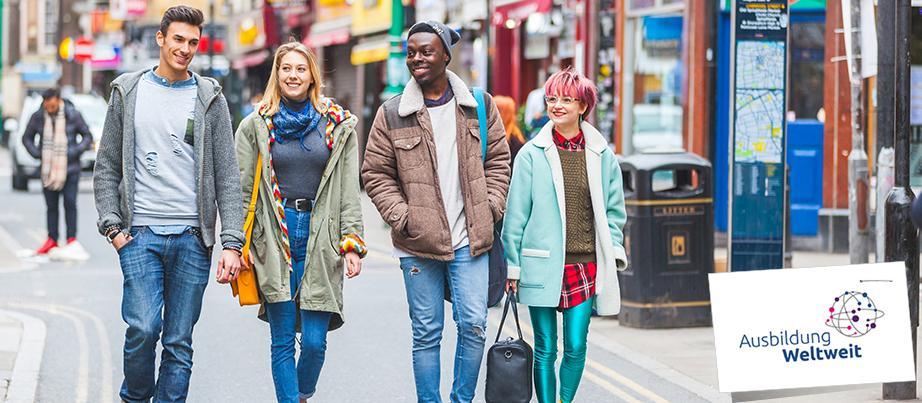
x=25 y=167
x=657 y=127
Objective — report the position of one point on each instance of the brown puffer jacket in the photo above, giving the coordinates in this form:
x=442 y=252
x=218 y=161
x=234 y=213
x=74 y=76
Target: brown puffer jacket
x=400 y=168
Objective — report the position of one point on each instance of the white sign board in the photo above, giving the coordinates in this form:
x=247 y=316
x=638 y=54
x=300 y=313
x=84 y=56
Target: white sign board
x=797 y=328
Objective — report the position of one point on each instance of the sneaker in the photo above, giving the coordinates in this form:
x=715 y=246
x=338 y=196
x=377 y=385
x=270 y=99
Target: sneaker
x=72 y=251
x=47 y=247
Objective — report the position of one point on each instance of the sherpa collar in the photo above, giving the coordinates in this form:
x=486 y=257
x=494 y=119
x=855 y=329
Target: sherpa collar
x=595 y=142
x=412 y=100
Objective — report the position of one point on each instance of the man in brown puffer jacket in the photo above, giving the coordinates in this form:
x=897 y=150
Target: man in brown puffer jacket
x=426 y=174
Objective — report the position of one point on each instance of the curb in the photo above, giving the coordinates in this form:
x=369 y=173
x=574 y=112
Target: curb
x=24 y=381
x=664 y=371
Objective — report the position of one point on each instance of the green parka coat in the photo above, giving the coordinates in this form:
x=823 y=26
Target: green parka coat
x=337 y=212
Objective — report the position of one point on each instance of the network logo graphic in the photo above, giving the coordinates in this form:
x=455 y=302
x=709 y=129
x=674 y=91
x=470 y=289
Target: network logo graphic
x=853 y=314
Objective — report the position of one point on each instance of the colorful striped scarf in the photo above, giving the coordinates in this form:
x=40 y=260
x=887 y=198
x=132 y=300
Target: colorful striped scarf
x=335 y=114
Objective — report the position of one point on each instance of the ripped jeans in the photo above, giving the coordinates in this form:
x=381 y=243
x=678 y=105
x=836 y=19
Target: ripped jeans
x=468 y=279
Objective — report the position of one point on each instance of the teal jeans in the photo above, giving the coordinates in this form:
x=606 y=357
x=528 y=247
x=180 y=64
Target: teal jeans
x=575 y=333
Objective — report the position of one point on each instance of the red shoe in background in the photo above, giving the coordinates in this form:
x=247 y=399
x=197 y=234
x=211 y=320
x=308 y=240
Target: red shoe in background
x=48 y=246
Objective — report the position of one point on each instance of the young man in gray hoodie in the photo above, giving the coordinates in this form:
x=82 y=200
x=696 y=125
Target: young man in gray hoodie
x=166 y=166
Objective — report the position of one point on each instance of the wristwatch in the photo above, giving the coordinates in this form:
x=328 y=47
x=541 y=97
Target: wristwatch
x=112 y=233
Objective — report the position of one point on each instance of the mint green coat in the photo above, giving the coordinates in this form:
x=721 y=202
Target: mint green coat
x=534 y=227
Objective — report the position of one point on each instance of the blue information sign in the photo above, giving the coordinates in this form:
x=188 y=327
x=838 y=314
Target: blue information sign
x=759 y=102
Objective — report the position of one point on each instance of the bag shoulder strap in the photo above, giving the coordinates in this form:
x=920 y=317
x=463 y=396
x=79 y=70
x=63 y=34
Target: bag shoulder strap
x=251 y=209
x=510 y=300
x=481 y=120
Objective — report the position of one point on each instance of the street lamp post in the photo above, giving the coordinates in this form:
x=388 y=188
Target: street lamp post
x=885 y=71
x=396 y=60
x=902 y=237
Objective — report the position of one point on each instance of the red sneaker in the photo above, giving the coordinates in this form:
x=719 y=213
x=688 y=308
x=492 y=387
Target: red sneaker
x=71 y=240
x=49 y=245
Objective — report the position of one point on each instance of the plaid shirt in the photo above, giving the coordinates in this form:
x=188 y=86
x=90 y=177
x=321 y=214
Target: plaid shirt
x=577 y=143
x=579 y=278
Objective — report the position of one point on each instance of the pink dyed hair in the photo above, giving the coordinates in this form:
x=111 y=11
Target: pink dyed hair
x=568 y=82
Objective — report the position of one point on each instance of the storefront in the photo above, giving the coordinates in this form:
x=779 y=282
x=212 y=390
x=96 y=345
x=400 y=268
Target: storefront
x=470 y=57
x=251 y=61
x=522 y=46
x=664 y=89
x=370 y=22
x=329 y=37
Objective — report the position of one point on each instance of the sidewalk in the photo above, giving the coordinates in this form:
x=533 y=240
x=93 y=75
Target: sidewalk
x=22 y=343
x=682 y=356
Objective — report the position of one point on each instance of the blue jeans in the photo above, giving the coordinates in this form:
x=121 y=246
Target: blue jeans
x=296 y=381
x=468 y=280
x=165 y=274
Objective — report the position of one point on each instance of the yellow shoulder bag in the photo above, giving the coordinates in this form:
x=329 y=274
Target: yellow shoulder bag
x=245 y=287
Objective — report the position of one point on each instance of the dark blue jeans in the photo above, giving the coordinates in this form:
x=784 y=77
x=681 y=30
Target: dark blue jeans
x=296 y=381
x=52 y=214
x=164 y=279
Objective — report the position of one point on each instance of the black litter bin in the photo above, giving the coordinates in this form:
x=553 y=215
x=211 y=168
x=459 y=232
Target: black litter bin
x=669 y=240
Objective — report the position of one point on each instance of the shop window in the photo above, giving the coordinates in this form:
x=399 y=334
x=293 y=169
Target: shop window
x=806 y=68
x=656 y=109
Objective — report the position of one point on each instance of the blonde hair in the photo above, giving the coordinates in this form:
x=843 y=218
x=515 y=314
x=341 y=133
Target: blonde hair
x=269 y=105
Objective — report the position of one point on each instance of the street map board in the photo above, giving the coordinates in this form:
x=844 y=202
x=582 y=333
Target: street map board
x=759 y=105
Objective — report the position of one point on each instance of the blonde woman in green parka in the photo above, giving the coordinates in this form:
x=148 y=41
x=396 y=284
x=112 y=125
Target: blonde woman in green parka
x=307 y=215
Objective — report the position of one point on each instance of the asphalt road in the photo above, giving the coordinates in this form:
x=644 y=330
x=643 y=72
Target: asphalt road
x=368 y=360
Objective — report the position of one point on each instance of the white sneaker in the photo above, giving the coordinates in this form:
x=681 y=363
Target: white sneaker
x=73 y=251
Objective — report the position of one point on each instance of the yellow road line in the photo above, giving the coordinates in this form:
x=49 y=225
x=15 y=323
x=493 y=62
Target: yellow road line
x=625 y=381
x=509 y=329
x=609 y=387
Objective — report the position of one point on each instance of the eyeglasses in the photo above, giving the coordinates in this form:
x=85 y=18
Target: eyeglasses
x=551 y=100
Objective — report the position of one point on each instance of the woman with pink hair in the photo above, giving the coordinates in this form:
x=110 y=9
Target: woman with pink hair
x=563 y=231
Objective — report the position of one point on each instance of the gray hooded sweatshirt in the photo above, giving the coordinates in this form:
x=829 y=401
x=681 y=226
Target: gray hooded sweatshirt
x=217 y=177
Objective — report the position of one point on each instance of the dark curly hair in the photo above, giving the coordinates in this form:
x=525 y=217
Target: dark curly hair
x=186 y=14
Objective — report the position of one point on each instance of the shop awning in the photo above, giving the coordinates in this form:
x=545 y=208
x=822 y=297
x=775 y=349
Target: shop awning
x=520 y=10
x=371 y=51
x=327 y=33
x=250 y=60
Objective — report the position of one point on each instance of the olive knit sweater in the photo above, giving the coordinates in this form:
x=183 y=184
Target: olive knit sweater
x=580 y=237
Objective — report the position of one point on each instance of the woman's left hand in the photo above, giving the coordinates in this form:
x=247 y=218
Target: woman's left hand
x=353 y=265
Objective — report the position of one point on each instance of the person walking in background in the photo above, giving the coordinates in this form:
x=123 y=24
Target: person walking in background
x=563 y=231
x=63 y=136
x=308 y=200
x=426 y=174
x=507 y=111
x=166 y=163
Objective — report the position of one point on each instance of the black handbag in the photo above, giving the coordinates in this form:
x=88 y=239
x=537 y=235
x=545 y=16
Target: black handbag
x=509 y=364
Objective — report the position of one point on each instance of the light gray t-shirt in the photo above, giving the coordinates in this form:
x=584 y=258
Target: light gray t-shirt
x=164 y=157
x=445 y=132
